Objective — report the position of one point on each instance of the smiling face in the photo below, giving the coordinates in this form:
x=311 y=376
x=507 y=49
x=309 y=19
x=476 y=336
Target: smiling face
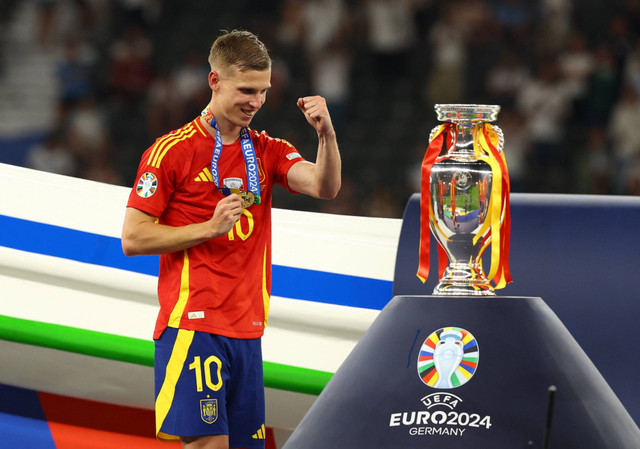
x=237 y=96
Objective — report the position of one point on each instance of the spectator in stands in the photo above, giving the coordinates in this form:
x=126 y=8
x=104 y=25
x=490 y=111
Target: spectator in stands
x=603 y=86
x=165 y=106
x=507 y=78
x=87 y=127
x=624 y=128
x=633 y=176
x=75 y=73
x=577 y=63
x=325 y=27
x=391 y=35
x=631 y=75
x=130 y=69
x=53 y=156
x=516 y=20
x=554 y=25
x=447 y=42
x=190 y=82
x=594 y=164
x=545 y=102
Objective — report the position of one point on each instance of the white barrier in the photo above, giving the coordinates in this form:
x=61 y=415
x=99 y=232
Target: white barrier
x=37 y=283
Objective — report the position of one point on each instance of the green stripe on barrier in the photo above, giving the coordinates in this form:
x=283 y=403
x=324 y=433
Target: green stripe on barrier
x=80 y=341
x=293 y=378
x=140 y=352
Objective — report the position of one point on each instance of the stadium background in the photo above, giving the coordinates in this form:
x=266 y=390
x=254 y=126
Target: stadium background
x=87 y=85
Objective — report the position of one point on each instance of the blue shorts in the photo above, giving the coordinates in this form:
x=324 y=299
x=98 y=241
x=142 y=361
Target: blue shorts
x=209 y=385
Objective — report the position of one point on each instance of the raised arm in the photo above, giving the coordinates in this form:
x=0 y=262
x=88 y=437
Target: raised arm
x=321 y=179
x=142 y=235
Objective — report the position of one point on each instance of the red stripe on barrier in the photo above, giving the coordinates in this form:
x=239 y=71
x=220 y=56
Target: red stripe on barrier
x=80 y=423
x=68 y=436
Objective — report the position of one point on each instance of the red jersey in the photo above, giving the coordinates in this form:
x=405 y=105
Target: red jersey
x=221 y=286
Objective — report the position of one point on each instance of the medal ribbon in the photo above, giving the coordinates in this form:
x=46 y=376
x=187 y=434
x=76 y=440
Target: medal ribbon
x=248 y=152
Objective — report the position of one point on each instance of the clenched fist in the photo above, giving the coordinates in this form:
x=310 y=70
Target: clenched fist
x=317 y=114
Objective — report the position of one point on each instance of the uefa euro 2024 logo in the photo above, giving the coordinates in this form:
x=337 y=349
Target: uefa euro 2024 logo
x=147 y=185
x=448 y=358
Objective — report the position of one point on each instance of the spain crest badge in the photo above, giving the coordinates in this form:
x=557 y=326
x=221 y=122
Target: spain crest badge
x=209 y=410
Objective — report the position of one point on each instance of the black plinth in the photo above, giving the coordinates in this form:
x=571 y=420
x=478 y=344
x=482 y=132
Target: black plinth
x=516 y=349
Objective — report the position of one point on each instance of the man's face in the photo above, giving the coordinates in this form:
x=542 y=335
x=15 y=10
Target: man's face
x=239 y=95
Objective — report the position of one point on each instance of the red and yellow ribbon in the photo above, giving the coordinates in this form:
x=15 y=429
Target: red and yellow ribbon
x=485 y=146
x=426 y=208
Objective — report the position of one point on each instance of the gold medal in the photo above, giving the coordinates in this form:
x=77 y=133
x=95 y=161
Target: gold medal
x=247 y=198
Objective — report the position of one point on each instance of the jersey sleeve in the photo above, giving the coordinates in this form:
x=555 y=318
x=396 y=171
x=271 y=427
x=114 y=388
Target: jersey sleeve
x=281 y=156
x=155 y=183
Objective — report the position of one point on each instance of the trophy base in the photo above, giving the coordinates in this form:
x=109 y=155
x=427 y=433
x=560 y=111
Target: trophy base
x=463 y=280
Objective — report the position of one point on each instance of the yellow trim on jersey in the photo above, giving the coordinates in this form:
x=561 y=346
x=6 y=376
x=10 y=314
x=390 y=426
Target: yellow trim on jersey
x=164 y=144
x=168 y=389
x=178 y=309
x=160 y=143
x=200 y=128
x=266 y=299
x=162 y=155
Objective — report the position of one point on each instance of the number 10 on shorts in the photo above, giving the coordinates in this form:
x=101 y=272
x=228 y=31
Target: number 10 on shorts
x=205 y=368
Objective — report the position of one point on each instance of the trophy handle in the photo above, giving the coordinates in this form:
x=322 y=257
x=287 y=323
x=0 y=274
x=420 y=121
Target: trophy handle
x=500 y=137
x=432 y=133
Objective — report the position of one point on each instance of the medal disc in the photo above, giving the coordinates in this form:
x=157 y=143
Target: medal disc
x=247 y=198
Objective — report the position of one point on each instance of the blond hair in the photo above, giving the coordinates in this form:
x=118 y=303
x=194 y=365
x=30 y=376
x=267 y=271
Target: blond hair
x=239 y=48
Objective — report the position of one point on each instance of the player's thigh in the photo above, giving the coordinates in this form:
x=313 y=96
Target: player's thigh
x=206 y=442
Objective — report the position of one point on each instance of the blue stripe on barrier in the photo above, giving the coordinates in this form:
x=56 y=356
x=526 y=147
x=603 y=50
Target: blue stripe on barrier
x=98 y=249
x=71 y=244
x=339 y=289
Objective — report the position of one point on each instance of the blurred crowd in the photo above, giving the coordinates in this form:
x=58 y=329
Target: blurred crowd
x=567 y=75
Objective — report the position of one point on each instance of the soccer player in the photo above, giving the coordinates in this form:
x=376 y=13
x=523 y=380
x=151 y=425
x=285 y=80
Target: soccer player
x=203 y=202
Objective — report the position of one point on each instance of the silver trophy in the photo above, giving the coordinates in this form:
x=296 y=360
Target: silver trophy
x=460 y=194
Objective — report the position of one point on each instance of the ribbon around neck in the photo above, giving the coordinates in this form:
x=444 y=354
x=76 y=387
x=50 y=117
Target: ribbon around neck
x=248 y=152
